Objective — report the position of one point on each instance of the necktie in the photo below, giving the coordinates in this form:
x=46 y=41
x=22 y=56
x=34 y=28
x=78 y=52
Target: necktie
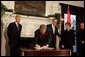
x=18 y=26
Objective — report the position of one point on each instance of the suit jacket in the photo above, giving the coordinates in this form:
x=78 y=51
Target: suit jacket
x=14 y=34
x=42 y=39
x=80 y=37
x=68 y=39
x=53 y=36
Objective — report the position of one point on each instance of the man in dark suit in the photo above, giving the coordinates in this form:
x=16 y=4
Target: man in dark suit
x=54 y=31
x=14 y=31
x=81 y=39
x=42 y=37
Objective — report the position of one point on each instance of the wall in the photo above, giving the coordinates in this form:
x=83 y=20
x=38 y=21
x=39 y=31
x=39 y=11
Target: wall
x=9 y=4
x=53 y=7
x=74 y=3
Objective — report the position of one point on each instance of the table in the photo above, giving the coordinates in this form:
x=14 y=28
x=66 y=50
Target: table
x=32 y=52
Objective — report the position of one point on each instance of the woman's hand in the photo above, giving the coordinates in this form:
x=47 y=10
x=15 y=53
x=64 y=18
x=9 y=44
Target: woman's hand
x=45 y=46
x=37 y=47
x=62 y=46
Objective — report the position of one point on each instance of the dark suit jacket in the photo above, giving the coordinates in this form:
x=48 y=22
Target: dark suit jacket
x=68 y=39
x=53 y=36
x=42 y=39
x=14 y=34
x=80 y=37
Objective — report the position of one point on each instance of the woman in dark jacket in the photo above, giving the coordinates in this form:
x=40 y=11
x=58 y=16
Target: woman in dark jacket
x=42 y=37
x=68 y=37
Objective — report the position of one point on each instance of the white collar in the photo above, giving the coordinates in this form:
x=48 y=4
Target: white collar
x=16 y=23
x=53 y=25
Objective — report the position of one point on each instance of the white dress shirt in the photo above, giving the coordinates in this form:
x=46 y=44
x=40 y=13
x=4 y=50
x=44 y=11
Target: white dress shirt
x=53 y=27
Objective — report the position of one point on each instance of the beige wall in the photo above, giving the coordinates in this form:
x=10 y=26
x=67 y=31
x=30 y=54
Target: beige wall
x=74 y=3
x=9 y=4
x=53 y=7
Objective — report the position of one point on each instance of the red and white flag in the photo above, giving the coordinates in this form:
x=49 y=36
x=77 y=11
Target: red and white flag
x=68 y=15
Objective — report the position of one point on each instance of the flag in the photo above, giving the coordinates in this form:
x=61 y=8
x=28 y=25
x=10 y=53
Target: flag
x=71 y=18
x=68 y=15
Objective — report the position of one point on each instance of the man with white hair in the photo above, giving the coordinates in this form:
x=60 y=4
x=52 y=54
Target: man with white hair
x=14 y=31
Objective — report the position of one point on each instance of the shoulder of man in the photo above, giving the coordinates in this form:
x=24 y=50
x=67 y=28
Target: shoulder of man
x=48 y=25
x=12 y=23
x=20 y=25
x=56 y=27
